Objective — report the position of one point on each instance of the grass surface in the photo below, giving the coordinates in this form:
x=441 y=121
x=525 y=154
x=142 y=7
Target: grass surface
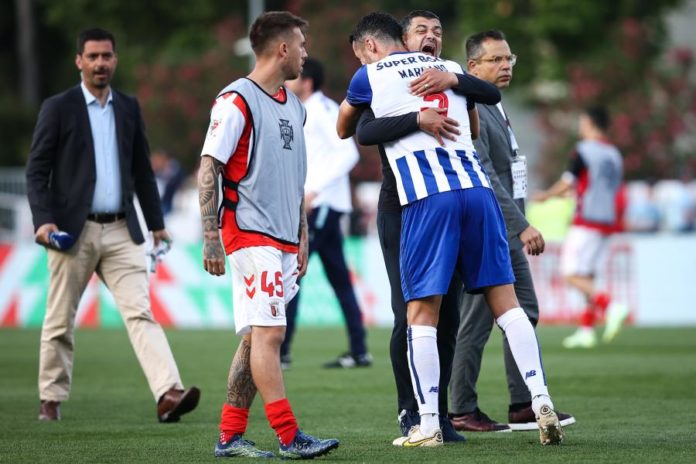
x=634 y=400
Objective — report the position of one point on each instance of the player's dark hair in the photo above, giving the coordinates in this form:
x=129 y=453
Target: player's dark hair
x=270 y=25
x=94 y=33
x=313 y=69
x=382 y=26
x=474 y=49
x=406 y=22
x=599 y=115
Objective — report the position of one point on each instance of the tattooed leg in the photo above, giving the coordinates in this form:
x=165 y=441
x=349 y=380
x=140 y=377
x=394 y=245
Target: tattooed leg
x=240 y=385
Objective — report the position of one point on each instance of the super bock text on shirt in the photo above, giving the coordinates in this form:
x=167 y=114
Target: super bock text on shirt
x=425 y=62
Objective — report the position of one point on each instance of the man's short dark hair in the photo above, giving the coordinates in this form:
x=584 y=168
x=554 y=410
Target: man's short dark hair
x=313 y=69
x=270 y=25
x=406 y=22
x=599 y=115
x=94 y=33
x=474 y=50
x=381 y=26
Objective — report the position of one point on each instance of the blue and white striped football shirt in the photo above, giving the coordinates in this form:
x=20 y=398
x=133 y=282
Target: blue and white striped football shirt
x=421 y=166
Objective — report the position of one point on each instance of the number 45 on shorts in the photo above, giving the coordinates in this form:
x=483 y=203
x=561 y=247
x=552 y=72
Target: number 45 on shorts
x=270 y=283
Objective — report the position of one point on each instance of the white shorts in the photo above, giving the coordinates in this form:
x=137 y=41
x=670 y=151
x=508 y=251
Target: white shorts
x=582 y=251
x=264 y=280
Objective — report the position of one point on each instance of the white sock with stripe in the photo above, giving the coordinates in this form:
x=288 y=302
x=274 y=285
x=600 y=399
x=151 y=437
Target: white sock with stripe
x=424 y=365
x=525 y=349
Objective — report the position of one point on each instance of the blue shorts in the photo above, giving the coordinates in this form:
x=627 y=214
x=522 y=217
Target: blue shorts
x=460 y=230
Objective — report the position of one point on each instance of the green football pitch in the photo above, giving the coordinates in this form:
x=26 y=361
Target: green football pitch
x=634 y=400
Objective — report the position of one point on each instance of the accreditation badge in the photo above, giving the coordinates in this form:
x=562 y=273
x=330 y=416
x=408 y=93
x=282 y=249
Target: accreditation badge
x=519 y=177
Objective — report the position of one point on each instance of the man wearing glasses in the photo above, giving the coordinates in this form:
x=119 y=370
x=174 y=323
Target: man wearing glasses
x=490 y=59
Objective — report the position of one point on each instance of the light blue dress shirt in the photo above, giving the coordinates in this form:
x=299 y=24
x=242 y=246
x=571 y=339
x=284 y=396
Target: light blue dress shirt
x=107 y=191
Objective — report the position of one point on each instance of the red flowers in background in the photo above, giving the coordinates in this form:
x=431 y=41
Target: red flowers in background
x=652 y=98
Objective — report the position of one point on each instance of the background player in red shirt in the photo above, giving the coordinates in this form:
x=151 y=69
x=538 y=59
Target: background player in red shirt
x=596 y=172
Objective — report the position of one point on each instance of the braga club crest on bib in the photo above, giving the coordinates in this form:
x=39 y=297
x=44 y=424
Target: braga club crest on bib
x=286 y=133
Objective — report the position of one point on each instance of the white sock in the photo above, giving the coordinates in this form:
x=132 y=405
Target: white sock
x=429 y=423
x=525 y=349
x=424 y=365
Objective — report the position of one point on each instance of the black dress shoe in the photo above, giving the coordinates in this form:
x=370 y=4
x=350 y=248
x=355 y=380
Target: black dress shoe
x=477 y=421
x=49 y=411
x=175 y=403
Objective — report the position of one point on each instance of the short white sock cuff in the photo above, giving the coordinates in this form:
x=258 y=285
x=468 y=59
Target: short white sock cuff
x=429 y=423
x=510 y=316
x=419 y=331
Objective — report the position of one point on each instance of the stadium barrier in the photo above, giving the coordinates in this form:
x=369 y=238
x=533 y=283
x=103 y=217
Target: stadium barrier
x=653 y=274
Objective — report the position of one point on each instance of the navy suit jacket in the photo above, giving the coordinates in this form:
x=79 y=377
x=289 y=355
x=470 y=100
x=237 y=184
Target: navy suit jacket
x=61 y=172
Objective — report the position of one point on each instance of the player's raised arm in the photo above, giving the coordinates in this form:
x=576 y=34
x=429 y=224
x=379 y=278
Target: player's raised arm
x=348 y=116
x=358 y=97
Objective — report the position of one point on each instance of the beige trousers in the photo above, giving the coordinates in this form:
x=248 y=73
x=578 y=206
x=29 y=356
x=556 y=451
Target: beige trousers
x=108 y=250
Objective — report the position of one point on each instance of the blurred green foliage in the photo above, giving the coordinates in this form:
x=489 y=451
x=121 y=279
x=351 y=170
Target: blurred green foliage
x=175 y=56
x=547 y=35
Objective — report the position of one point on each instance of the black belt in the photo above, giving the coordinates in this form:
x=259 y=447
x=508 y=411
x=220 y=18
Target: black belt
x=104 y=218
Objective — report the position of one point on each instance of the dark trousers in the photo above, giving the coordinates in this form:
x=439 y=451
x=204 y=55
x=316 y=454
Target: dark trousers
x=389 y=229
x=326 y=238
x=477 y=323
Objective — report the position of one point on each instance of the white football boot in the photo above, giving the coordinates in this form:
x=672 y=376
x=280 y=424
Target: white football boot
x=550 y=430
x=416 y=439
x=582 y=338
x=616 y=315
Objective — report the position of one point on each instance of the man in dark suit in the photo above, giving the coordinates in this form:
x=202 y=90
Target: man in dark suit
x=490 y=59
x=89 y=155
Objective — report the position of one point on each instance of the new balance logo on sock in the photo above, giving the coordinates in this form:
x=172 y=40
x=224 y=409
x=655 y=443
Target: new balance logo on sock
x=434 y=390
x=529 y=374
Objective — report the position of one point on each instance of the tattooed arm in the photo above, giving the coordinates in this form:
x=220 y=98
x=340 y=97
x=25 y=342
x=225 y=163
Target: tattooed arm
x=303 y=252
x=208 y=188
x=240 y=385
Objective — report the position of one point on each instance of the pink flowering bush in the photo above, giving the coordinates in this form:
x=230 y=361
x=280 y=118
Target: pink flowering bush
x=176 y=97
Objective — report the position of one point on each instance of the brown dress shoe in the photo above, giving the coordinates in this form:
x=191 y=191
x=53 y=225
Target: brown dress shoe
x=49 y=411
x=523 y=418
x=477 y=421
x=175 y=403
